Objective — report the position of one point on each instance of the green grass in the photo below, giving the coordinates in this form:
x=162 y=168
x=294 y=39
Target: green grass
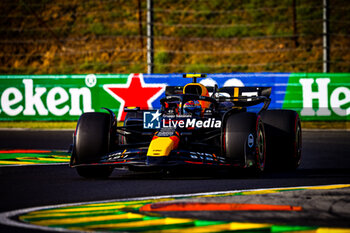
x=94 y=26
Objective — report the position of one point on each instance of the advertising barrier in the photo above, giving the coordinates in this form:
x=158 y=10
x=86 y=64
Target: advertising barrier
x=316 y=96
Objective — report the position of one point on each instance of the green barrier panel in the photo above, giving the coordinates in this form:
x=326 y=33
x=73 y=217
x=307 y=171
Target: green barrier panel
x=54 y=97
x=319 y=96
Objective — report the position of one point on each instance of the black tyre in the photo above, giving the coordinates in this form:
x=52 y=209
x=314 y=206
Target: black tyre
x=93 y=140
x=239 y=137
x=283 y=139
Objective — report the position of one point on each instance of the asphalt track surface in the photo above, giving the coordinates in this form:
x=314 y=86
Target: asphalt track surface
x=325 y=160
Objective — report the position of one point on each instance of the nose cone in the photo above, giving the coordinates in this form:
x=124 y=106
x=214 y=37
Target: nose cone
x=162 y=146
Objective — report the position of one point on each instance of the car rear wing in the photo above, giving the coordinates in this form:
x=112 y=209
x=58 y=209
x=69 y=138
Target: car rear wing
x=225 y=91
x=244 y=91
x=245 y=96
x=240 y=96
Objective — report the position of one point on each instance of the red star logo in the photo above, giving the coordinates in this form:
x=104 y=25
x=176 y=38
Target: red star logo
x=135 y=93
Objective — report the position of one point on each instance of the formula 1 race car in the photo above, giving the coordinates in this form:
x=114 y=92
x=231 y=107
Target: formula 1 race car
x=196 y=126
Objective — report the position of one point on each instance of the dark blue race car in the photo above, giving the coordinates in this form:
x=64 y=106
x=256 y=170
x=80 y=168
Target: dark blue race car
x=197 y=126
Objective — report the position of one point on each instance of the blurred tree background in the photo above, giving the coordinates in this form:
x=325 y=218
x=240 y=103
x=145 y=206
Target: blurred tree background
x=109 y=36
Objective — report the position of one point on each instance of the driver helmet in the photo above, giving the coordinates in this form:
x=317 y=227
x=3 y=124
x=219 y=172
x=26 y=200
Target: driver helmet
x=192 y=107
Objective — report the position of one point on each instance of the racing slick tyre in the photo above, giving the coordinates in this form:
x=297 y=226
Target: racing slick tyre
x=283 y=138
x=244 y=139
x=93 y=140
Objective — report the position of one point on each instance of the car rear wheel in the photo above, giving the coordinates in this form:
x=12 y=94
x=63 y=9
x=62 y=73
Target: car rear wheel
x=283 y=134
x=93 y=140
